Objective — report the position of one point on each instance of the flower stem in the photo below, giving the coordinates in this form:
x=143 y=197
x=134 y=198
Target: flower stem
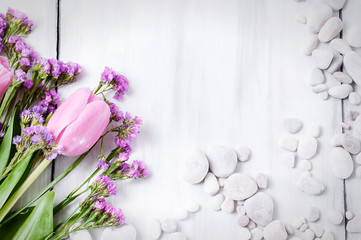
x=33 y=176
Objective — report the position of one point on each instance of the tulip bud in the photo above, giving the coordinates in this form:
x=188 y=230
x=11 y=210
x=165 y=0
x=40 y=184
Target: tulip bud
x=6 y=75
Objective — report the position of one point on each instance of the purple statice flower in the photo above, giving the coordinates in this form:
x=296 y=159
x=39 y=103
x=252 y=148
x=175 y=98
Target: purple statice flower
x=25 y=116
x=28 y=84
x=38 y=109
x=115 y=214
x=17 y=140
x=118 y=213
x=119 y=82
x=20 y=16
x=138 y=170
x=116 y=114
x=38 y=134
x=107 y=183
x=36 y=138
x=60 y=149
x=2 y=29
x=20 y=75
x=38 y=118
x=42 y=64
x=99 y=204
x=102 y=165
x=121 y=143
x=14 y=39
x=2 y=134
x=123 y=156
x=25 y=62
x=124 y=168
x=50 y=156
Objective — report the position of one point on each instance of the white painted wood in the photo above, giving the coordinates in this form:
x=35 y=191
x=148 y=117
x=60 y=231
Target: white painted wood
x=43 y=39
x=351 y=16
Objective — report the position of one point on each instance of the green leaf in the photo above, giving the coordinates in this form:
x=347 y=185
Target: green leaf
x=8 y=230
x=12 y=179
x=40 y=222
x=5 y=147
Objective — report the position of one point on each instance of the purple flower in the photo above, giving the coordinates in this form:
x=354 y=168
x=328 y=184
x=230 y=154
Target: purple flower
x=102 y=165
x=107 y=183
x=14 y=39
x=116 y=114
x=38 y=117
x=123 y=156
x=20 y=75
x=28 y=83
x=38 y=134
x=25 y=62
x=119 y=82
x=99 y=204
x=25 y=115
x=17 y=140
x=18 y=14
x=138 y=170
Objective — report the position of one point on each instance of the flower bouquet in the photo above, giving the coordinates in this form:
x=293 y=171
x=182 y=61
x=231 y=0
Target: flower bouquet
x=34 y=132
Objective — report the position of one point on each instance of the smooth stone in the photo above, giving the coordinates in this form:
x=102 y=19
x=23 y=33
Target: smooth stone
x=221 y=181
x=351 y=144
x=327 y=236
x=317 y=230
x=289 y=230
x=211 y=186
x=257 y=234
x=195 y=167
x=243 y=153
x=336 y=140
x=169 y=225
x=292 y=125
x=275 y=231
x=349 y=215
x=304 y=227
x=336 y=63
x=330 y=29
x=239 y=187
x=310 y=185
x=241 y=210
x=126 y=232
x=353 y=36
x=334 y=217
x=222 y=160
x=297 y=223
x=342 y=77
x=358 y=172
x=262 y=180
x=310 y=43
x=315 y=76
x=251 y=225
x=80 y=235
x=335 y=4
x=243 y=220
x=352 y=115
x=307 y=147
x=354 y=225
x=289 y=159
x=244 y=233
x=259 y=208
x=322 y=58
x=301 y=18
x=315 y=130
x=354 y=98
x=313 y=214
x=216 y=202
x=288 y=143
x=181 y=214
x=323 y=95
x=176 y=236
x=309 y=235
x=317 y=15
x=305 y=165
x=153 y=229
x=358 y=158
x=352 y=64
x=228 y=205
x=193 y=207
x=341 y=163
x=319 y=88
x=340 y=91
x=357 y=124
x=340 y=45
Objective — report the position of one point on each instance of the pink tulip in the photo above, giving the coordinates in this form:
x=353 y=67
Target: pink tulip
x=79 y=121
x=6 y=75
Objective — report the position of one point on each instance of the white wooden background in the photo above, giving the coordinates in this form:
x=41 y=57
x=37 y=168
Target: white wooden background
x=201 y=73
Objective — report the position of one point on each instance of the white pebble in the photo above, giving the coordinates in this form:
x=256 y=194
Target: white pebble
x=304 y=227
x=243 y=220
x=336 y=140
x=211 y=186
x=317 y=230
x=342 y=77
x=358 y=172
x=335 y=4
x=336 y=63
x=350 y=144
x=314 y=130
x=340 y=91
x=313 y=214
x=289 y=159
x=323 y=95
x=305 y=165
x=251 y=225
x=241 y=210
x=176 y=236
x=193 y=207
x=239 y=186
x=289 y=230
x=341 y=163
x=222 y=181
x=322 y=58
x=319 y=88
x=126 y=232
x=353 y=35
x=259 y=208
x=228 y=205
x=195 y=167
x=243 y=153
x=297 y=223
x=309 y=235
x=354 y=225
x=317 y=15
x=310 y=185
x=340 y=45
x=352 y=115
x=334 y=217
x=222 y=160
x=358 y=158
x=307 y=147
x=315 y=76
x=216 y=202
x=352 y=64
x=288 y=143
x=310 y=43
x=327 y=236
x=357 y=124
x=275 y=231
x=80 y=235
x=295 y=238
x=354 y=98
x=301 y=18
x=169 y=225
x=181 y=214
x=291 y=124
x=244 y=234
x=257 y=234
x=153 y=229
x=261 y=180
x=330 y=29
x=349 y=215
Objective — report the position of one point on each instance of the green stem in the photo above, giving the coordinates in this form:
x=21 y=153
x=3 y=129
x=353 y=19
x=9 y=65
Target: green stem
x=33 y=176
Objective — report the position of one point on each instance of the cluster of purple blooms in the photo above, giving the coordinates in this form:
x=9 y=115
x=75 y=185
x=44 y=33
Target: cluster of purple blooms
x=128 y=130
x=2 y=30
x=1 y=132
x=16 y=15
x=114 y=215
x=47 y=105
x=105 y=186
x=118 y=82
x=56 y=68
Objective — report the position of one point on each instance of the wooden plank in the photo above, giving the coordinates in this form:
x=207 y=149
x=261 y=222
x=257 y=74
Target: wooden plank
x=351 y=16
x=43 y=39
x=202 y=73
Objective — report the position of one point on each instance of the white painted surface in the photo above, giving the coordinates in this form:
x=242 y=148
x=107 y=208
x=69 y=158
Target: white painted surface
x=201 y=73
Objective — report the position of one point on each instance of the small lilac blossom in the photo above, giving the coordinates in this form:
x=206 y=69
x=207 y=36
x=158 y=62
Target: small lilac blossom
x=20 y=75
x=119 y=82
x=123 y=156
x=25 y=62
x=17 y=140
x=102 y=165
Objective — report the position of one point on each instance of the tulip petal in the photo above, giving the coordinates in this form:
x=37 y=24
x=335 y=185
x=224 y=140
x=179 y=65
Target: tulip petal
x=93 y=98
x=5 y=81
x=5 y=63
x=68 y=111
x=84 y=132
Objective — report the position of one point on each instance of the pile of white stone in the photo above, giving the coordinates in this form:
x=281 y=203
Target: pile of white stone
x=324 y=29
